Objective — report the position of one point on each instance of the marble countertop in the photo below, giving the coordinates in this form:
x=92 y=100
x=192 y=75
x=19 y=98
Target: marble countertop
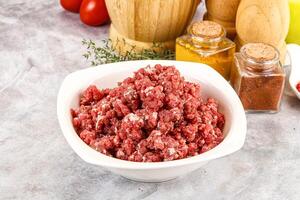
x=39 y=45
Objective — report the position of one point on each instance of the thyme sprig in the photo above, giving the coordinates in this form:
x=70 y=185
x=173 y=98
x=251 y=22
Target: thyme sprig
x=106 y=52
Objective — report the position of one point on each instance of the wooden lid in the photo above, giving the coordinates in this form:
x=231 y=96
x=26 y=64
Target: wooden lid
x=207 y=29
x=260 y=52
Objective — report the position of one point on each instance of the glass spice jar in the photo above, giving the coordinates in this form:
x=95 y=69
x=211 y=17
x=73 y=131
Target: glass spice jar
x=258 y=77
x=206 y=43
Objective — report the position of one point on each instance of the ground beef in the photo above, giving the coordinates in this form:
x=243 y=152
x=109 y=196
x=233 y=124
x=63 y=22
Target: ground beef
x=153 y=116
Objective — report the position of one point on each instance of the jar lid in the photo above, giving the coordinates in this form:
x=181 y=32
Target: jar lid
x=260 y=52
x=206 y=29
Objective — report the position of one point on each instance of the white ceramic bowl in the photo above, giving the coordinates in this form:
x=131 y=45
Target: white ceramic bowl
x=213 y=85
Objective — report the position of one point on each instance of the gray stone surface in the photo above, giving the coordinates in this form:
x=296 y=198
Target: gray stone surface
x=39 y=45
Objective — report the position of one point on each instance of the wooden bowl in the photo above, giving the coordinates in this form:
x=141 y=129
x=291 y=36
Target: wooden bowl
x=141 y=23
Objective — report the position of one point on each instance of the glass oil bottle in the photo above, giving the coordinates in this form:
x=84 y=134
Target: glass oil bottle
x=206 y=43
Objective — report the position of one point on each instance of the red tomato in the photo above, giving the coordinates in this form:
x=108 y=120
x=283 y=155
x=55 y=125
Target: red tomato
x=93 y=12
x=298 y=87
x=71 y=5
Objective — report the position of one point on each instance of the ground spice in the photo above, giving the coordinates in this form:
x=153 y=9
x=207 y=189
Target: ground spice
x=258 y=77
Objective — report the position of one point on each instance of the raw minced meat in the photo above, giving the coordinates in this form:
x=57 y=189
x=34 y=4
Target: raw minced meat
x=153 y=116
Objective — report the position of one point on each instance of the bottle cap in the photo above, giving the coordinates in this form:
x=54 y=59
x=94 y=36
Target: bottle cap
x=206 y=29
x=260 y=52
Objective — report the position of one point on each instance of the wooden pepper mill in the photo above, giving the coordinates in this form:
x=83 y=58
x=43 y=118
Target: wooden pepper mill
x=264 y=21
x=223 y=12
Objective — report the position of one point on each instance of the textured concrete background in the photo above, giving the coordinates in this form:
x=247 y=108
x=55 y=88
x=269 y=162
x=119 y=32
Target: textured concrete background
x=39 y=45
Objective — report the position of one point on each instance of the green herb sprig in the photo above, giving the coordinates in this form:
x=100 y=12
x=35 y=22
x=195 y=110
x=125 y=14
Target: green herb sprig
x=106 y=52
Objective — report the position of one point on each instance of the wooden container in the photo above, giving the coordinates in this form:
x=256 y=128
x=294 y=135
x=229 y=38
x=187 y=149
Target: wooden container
x=223 y=12
x=264 y=21
x=141 y=23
